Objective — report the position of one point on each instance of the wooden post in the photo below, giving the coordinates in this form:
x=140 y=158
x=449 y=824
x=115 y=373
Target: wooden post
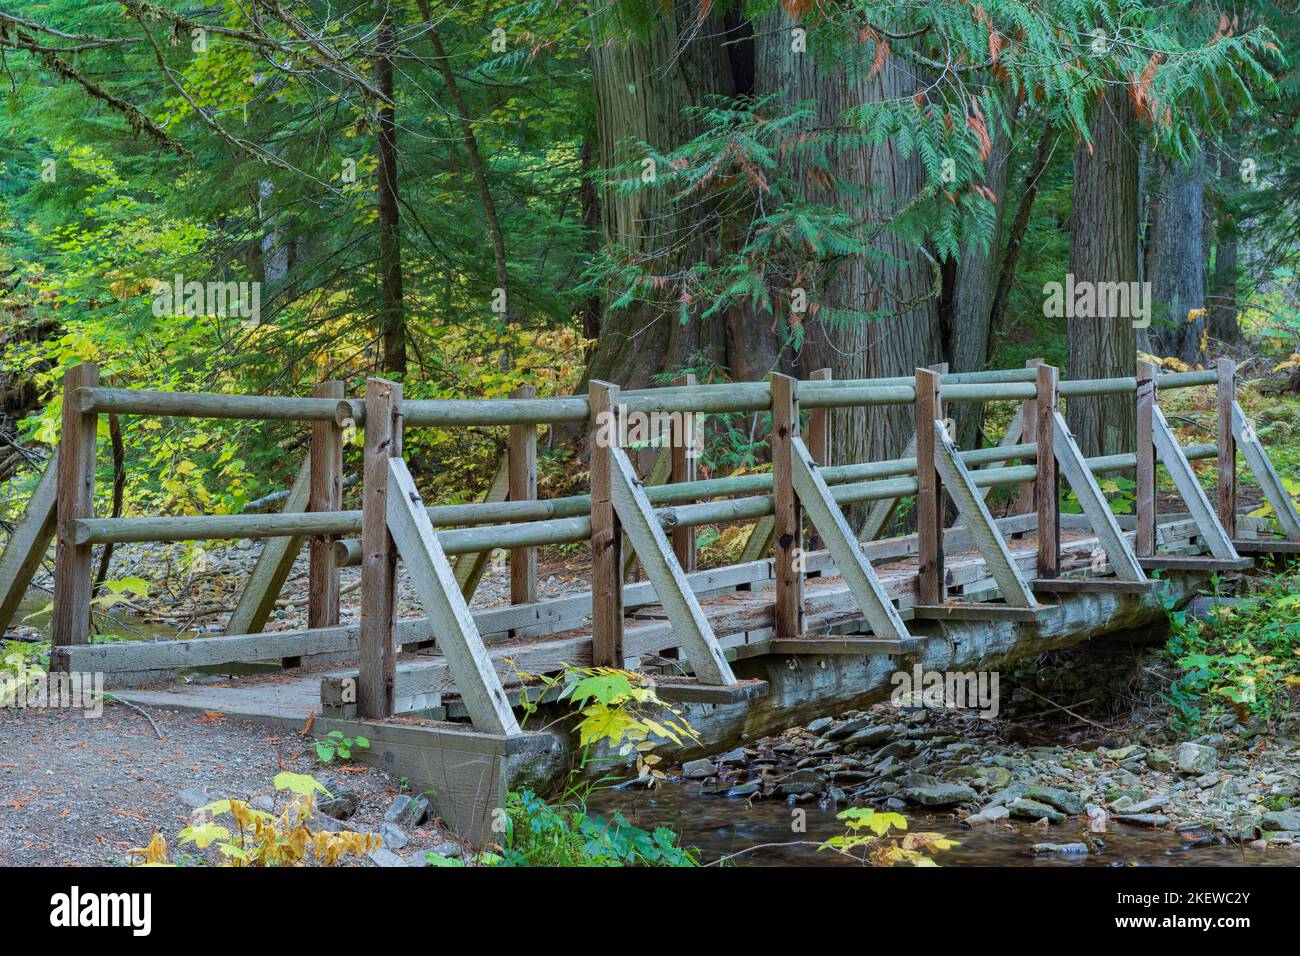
x=788 y=553
x=1047 y=485
x=377 y=664
x=606 y=530
x=326 y=494
x=1144 y=505
x=28 y=542
x=819 y=426
x=523 y=487
x=1227 y=447
x=683 y=451
x=929 y=495
x=76 y=499
x=1025 y=502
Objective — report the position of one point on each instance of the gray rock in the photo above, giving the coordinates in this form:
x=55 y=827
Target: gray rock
x=342 y=805
x=734 y=758
x=419 y=811
x=1062 y=800
x=1159 y=761
x=1041 y=849
x=820 y=724
x=397 y=808
x=383 y=857
x=743 y=790
x=939 y=795
x=698 y=769
x=263 y=802
x=393 y=836
x=869 y=736
x=1195 y=758
x=800 y=783
x=844 y=729
x=1023 y=809
x=1120 y=754
x=1288 y=820
x=194 y=797
x=1143 y=819
x=987 y=815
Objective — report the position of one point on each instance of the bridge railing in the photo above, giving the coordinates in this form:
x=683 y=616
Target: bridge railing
x=64 y=506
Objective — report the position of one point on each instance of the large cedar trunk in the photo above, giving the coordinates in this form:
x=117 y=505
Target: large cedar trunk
x=1222 y=300
x=906 y=287
x=644 y=88
x=1175 y=261
x=1104 y=248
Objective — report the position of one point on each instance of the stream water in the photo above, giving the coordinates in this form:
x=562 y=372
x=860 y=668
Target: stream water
x=761 y=834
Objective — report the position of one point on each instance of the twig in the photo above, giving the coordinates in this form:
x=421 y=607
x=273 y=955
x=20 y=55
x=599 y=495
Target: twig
x=1066 y=709
x=139 y=710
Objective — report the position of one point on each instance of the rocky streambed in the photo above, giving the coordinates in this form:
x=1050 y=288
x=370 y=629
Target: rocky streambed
x=1234 y=785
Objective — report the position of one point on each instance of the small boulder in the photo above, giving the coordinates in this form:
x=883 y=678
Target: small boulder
x=1287 y=820
x=939 y=795
x=194 y=797
x=341 y=805
x=1159 y=761
x=1062 y=800
x=1024 y=809
x=393 y=836
x=1195 y=759
x=698 y=769
x=1042 y=849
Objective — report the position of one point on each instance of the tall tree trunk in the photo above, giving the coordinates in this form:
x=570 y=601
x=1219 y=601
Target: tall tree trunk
x=1222 y=300
x=392 y=322
x=905 y=285
x=1103 y=248
x=644 y=87
x=1176 y=264
x=591 y=227
x=970 y=346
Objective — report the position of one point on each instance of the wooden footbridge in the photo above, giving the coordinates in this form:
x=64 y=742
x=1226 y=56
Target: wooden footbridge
x=789 y=633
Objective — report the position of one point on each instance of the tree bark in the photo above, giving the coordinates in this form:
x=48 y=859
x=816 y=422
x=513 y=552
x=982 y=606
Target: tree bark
x=1103 y=248
x=1222 y=300
x=1176 y=264
x=905 y=286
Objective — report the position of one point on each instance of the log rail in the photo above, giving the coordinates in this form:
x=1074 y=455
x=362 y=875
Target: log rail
x=653 y=521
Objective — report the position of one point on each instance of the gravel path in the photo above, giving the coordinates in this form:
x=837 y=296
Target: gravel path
x=85 y=791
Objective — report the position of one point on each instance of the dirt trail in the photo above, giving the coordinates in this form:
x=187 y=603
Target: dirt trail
x=77 y=790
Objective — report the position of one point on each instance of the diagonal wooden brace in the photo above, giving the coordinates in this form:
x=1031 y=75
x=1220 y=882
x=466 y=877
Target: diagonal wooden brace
x=1262 y=468
x=979 y=521
x=1076 y=472
x=652 y=548
x=453 y=626
x=1213 y=533
x=829 y=520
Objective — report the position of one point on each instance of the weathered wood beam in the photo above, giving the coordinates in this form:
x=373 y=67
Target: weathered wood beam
x=1074 y=467
x=376 y=653
x=453 y=626
x=1144 y=505
x=257 y=600
x=76 y=499
x=325 y=495
x=665 y=574
x=1047 y=496
x=988 y=539
x=1212 y=532
x=606 y=529
x=788 y=550
x=682 y=455
x=470 y=567
x=523 y=487
x=29 y=541
x=829 y=520
x=1226 y=479
x=1261 y=467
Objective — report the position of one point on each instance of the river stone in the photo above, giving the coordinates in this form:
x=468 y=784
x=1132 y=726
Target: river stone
x=1143 y=819
x=820 y=724
x=698 y=769
x=1040 y=849
x=1159 y=761
x=1060 y=799
x=939 y=794
x=987 y=815
x=1281 y=820
x=1195 y=758
x=844 y=729
x=743 y=790
x=800 y=783
x=869 y=736
x=1023 y=809
x=1120 y=754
